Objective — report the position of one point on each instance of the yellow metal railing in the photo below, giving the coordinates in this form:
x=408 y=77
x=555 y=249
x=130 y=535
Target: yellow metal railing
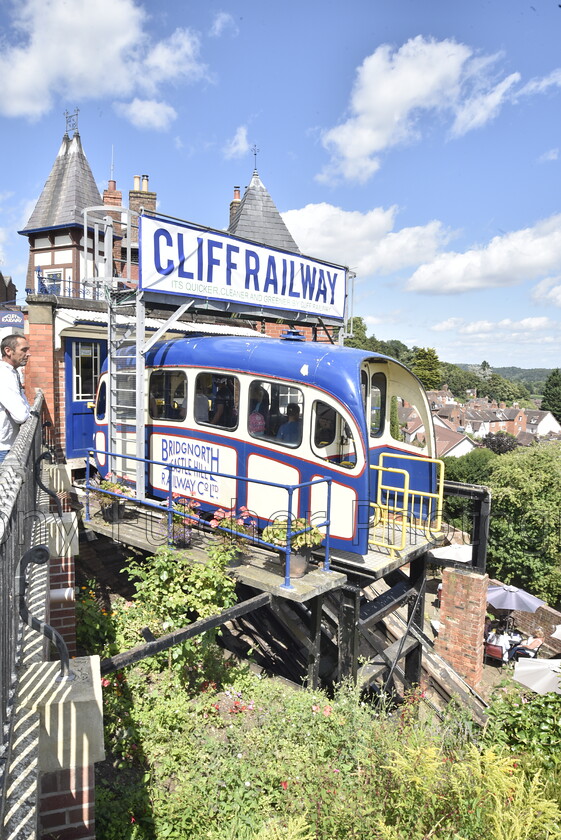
x=403 y=511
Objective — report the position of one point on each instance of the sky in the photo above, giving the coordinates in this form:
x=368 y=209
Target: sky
x=418 y=143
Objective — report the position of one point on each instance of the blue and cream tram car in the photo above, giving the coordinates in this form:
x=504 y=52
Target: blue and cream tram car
x=287 y=411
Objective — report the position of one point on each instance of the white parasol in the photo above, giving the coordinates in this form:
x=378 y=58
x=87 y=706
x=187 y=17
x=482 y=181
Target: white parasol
x=541 y=675
x=505 y=597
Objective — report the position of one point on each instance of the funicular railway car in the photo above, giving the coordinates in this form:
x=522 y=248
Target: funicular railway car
x=286 y=411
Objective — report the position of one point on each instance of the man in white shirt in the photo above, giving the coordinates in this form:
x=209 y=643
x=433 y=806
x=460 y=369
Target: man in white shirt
x=14 y=408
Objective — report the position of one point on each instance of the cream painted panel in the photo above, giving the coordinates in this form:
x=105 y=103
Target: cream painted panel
x=270 y=501
x=343 y=508
x=62 y=257
x=201 y=460
x=43 y=260
x=63 y=239
x=42 y=242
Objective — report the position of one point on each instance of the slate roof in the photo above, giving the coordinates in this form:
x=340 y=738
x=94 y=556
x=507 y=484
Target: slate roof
x=69 y=188
x=258 y=219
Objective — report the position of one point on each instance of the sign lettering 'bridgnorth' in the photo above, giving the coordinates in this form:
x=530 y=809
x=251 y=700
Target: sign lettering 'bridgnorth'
x=178 y=258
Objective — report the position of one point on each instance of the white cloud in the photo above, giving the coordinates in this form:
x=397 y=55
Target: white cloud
x=506 y=261
x=174 y=58
x=448 y=324
x=366 y=242
x=238 y=146
x=505 y=327
x=395 y=87
x=147 y=113
x=542 y=85
x=480 y=109
x=548 y=291
x=223 y=22
x=84 y=50
x=551 y=154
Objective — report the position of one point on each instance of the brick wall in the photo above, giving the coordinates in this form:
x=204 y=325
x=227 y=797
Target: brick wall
x=463 y=606
x=67 y=809
x=62 y=614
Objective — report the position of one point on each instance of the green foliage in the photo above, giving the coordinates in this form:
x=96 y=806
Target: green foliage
x=234 y=531
x=277 y=531
x=459 y=381
x=551 y=400
x=260 y=760
x=395 y=428
x=500 y=443
x=525 y=538
x=94 y=627
x=529 y=725
x=427 y=367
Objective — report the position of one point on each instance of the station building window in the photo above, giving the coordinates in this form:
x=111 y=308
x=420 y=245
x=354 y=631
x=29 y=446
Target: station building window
x=167 y=396
x=275 y=412
x=217 y=399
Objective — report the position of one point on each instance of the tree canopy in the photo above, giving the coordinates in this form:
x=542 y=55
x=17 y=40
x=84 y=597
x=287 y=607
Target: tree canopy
x=500 y=443
x=552 y=394
x=426 y=366
x=525 y=537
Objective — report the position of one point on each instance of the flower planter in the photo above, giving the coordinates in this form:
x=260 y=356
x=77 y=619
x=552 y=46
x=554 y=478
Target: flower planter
x=113 y=512
x=299 y=562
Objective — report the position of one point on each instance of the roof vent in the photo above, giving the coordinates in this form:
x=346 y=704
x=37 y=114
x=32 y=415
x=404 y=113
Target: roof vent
x=293 y=335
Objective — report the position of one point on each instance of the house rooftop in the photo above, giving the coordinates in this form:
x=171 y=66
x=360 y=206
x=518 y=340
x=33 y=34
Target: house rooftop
x=69 y=188
x=258 y=219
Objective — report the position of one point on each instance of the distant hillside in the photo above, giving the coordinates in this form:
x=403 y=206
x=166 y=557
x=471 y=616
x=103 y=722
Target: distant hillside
x=532 y=378
x=516 y=374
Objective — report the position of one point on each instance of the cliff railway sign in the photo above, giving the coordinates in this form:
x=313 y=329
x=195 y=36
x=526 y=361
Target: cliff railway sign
x=181 y=258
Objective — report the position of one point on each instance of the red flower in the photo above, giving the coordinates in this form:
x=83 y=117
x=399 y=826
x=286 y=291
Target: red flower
x=284 y=785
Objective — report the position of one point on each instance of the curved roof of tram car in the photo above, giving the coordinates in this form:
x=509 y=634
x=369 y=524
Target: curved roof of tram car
x=331 y=367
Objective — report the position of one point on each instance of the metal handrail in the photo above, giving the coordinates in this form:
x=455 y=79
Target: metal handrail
x=40 y=554
x=171 y=511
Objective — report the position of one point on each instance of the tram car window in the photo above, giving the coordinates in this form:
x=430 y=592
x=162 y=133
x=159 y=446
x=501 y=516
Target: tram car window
x=377 y=404
x=101 y=403
x=281 y=408
x=223 y=398
x=168 y=395
x=333 y=438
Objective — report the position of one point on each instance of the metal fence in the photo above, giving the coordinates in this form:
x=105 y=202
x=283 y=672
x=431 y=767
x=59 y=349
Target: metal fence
x=18 y=492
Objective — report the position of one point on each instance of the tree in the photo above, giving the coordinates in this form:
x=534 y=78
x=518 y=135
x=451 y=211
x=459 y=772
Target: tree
x=473 y=468
x=525 y=537
x=359 y=338
x=500 y=443
x=459 y=381
x=551 y=400
x=427 y=367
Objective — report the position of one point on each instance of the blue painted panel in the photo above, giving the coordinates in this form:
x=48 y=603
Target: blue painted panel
x=79 y=418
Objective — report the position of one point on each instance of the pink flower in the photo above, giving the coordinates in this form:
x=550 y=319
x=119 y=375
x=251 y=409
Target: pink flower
x=315 y=709
x=284 y=785
x=327 y=710
x=105 y=682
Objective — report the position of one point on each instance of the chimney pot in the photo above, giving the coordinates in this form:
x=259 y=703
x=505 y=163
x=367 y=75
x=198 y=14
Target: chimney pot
x=236 y=193
x=136 y=187
x=112 y=185
x=145 y=183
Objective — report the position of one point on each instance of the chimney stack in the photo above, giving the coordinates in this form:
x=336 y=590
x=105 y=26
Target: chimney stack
x=234 y=204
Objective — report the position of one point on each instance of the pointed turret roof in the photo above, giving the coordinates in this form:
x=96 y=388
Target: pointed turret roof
x=258 y=219
x=69 y=189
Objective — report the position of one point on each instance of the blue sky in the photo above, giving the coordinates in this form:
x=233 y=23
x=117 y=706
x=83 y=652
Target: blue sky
x=417 y=142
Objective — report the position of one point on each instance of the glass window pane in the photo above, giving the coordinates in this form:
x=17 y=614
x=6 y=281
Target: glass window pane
x=377 y=404
x=86 y=370
x=217 y=399
x=167 y=398
x=275 y=412
x=332 y=437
